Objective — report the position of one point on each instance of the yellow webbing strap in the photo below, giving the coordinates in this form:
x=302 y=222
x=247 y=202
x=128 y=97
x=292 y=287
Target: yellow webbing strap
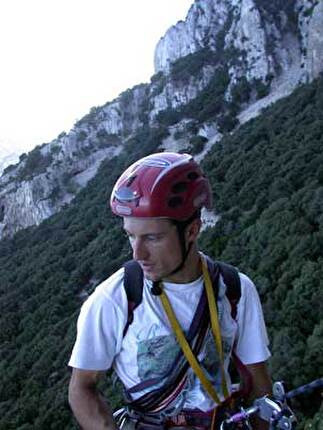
x=187 y=349
x=214 y=323
x=216 y=334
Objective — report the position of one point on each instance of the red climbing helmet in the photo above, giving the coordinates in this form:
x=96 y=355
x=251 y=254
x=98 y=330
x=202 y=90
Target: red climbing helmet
x=163 y=185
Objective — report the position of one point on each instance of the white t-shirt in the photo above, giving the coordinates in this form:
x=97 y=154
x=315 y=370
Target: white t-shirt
x=149 y=346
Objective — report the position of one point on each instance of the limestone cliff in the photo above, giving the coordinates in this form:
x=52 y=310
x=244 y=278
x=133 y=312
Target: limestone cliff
x=51 y=175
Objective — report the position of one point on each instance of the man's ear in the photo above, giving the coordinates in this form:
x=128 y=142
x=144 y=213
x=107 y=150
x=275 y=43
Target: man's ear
x=193 y=230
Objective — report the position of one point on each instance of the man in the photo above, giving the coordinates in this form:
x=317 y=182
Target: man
x=160 y=198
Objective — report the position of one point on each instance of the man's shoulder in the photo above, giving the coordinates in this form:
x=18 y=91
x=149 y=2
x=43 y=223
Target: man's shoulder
x=110 y=289
x=246 y=283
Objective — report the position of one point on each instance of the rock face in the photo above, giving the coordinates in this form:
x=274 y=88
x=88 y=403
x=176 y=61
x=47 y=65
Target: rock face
x=311 y=24
x=260 y=33
x=267 y=47
x=50 y=176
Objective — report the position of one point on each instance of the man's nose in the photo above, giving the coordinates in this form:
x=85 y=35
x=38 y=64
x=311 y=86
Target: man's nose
x=139 y=250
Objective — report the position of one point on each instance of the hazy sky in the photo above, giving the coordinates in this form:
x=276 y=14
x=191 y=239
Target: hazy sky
x=61 y=57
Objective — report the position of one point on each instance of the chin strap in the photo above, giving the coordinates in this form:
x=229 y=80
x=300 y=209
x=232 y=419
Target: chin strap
x=181 y=226
x=183 y=342
x=182 y=263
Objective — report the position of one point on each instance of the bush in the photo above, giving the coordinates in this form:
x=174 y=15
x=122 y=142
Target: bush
x=9 y=169
x=81 y=136
x=262 y=88
x=55 y=149
x=227 y=122
x=240 y=92
x=197 y=144
x=191 y=65
x=35 y=164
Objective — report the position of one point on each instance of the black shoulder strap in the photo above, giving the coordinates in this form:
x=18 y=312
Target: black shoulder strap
x=231 y=279
x=133 y=282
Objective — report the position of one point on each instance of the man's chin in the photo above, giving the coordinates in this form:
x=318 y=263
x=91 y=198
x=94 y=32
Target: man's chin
x=151 y=276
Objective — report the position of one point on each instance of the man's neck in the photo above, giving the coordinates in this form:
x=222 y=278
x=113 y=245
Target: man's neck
x=191 y=271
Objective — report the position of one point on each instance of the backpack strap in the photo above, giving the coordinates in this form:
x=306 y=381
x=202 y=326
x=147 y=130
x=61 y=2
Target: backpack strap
x=133 y=283
x=232 y=281
x=134 y=280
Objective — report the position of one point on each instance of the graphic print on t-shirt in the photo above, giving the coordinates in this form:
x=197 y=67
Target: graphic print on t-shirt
x=211 y=362
x=156 y=356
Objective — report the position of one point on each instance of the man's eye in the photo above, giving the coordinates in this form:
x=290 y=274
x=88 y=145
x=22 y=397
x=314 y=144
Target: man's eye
x=153 y=237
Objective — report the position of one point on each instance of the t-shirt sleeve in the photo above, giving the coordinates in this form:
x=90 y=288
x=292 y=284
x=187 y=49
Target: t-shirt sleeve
x=100 y=327
x=252 y=339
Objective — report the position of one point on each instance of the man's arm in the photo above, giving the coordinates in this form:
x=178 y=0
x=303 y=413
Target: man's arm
x=90 y=409
x=261 y=385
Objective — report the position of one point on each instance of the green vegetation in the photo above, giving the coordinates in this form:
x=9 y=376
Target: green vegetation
x=262 y=88
x=287 y=6
x=35 y=164
x=268 y=187
x=81 y=136
x=191 y=65
x=9 y=169
x=55 y=149
x=61 y=135
x=197 y=144
x=158 y=81
x=89 y=119
x=126 y=97
x=107 y=139
x=309 y=11
x=209 y=103
x=240 y=92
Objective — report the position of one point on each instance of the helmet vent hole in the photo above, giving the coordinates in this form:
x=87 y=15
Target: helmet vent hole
x=130 y=180
x=175 y=202
x=192 y=176
x=179 y=187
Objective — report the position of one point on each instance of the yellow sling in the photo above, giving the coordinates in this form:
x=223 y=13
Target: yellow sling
x=216 y=334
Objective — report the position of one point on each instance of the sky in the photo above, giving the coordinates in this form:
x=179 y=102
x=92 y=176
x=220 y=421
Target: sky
x=59 y=58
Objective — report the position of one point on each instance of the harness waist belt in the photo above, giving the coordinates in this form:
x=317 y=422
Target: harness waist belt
x=191 y=418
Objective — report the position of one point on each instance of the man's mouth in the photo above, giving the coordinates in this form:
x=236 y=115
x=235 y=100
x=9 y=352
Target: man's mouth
x=146 y=267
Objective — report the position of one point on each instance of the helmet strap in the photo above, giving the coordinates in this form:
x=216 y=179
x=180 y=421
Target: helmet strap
x=181 y=227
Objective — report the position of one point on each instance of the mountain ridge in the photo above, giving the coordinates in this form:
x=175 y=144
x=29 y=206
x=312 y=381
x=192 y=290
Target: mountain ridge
x=252 y=53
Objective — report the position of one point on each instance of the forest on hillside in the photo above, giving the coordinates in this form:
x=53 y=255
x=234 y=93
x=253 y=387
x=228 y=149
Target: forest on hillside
x=267 y=179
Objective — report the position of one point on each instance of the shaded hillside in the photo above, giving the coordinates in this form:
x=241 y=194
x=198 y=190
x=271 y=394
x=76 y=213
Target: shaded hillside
x=45 y=274
x=268 y=186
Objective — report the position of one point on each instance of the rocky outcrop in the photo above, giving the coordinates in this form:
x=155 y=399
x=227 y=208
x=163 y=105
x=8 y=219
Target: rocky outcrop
x=27 y=199
x=257 y=41
x=311 y=29
x=204 y=21
x=50 y=176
